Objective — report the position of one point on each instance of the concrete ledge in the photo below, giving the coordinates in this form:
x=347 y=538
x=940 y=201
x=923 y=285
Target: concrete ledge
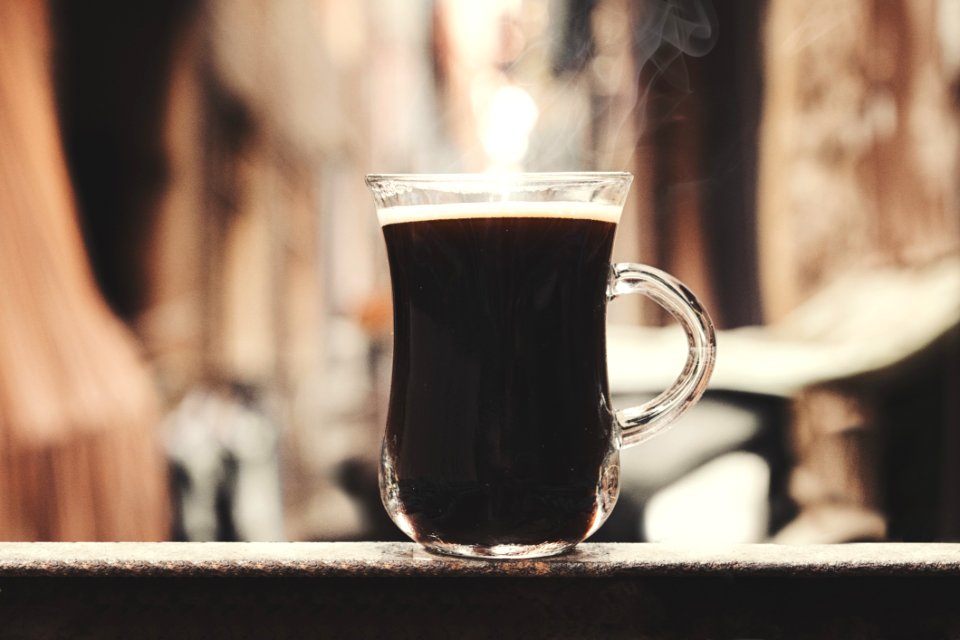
x=387 y=590
x=395 y=559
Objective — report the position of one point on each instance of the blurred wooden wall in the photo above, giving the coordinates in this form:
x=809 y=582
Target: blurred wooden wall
x=860 y=148
x=859 y=171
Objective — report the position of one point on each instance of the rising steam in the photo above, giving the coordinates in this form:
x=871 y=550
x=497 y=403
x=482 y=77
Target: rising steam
x=666 y=32
x=628 y=51
x=662 y=34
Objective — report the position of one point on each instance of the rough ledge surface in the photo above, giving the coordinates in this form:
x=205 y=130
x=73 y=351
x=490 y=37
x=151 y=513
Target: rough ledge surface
x=395 y=559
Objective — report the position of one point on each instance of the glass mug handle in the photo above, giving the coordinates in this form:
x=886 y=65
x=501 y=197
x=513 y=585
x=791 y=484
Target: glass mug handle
x=641 y=423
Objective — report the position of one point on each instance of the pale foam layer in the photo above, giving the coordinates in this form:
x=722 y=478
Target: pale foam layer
x=463 y=210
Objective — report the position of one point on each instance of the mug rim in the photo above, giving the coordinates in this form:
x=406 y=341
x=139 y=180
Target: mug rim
x=507 y=177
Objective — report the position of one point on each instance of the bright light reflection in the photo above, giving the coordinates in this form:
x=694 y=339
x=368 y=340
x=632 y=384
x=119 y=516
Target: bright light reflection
x=510 y=116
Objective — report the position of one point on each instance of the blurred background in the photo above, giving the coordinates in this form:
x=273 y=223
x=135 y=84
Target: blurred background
x=194 y=300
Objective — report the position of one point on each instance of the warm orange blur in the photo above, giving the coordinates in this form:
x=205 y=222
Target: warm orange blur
x=78 y=411
x=796 y=164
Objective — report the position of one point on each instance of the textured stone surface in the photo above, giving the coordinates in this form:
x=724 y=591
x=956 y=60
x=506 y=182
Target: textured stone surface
x=395 y=590
x=373 y=559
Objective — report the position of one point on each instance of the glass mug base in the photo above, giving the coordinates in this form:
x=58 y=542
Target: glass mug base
x=476 y=540
x=505 y=551
x=499 y=551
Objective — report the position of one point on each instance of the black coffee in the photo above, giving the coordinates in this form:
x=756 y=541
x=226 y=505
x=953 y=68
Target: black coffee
x=499 y=419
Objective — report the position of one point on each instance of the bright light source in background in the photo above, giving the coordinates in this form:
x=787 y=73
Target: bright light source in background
x=722 y=502
x=489 y=111
x=510 y=116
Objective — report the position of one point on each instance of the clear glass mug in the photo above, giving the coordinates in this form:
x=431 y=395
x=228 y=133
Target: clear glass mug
x=500 y=438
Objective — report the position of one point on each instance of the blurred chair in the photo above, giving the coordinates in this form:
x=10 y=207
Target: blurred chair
x=851 y=399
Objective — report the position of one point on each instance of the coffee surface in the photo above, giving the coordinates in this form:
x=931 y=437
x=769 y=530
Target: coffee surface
x=466 y=210
x=499 y=421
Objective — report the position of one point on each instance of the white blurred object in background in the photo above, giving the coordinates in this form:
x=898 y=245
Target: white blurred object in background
x=722 y=502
